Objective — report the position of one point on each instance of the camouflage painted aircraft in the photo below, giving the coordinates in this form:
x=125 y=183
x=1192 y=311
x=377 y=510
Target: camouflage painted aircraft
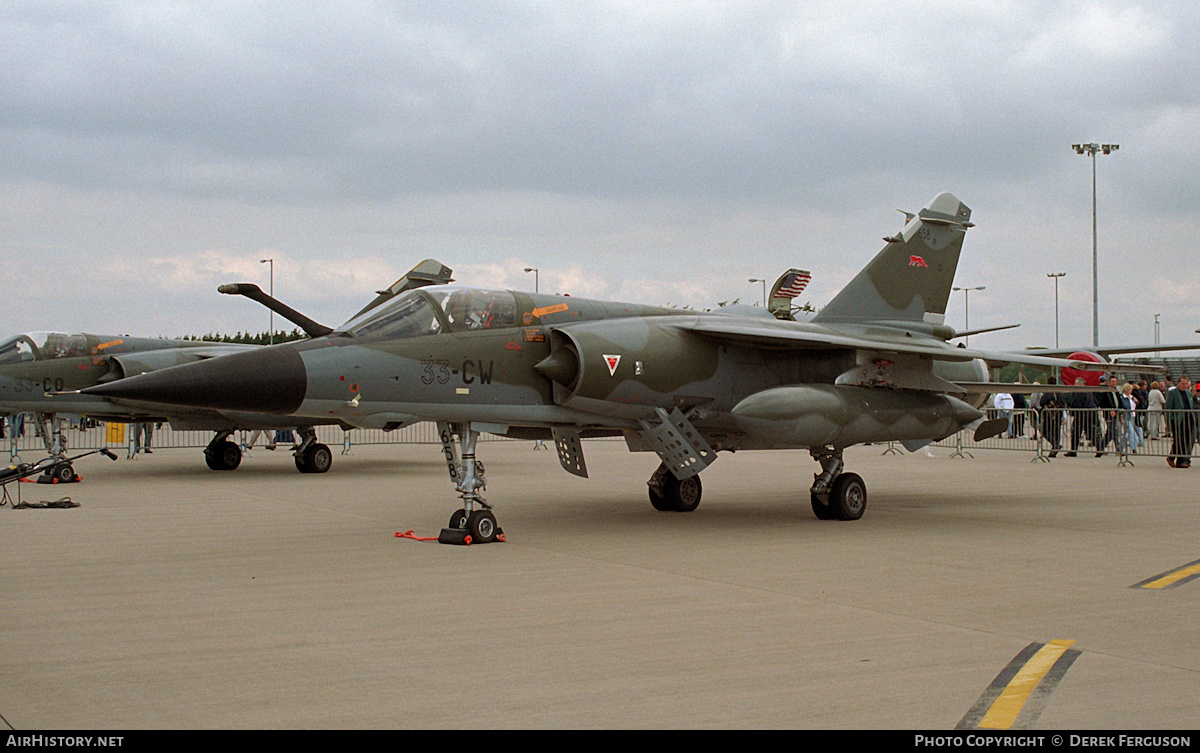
x=873 y=365
x=42 y=373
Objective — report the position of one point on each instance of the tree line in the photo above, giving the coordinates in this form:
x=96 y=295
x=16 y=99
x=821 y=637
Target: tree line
x=248 y=338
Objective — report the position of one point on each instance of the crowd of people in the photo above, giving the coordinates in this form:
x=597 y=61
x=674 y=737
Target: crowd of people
x=1124 y=415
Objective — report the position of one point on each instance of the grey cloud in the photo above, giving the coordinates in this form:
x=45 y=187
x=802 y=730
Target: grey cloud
x=386 y=99
x=559 y=130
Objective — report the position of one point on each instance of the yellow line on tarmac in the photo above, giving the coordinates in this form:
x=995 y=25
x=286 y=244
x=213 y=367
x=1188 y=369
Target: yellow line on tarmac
x=1170 y=579
x=1007 y=707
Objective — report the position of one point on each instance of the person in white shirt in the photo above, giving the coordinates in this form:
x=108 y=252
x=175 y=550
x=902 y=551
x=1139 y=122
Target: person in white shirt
x=1154 y=411
x=1004 y=403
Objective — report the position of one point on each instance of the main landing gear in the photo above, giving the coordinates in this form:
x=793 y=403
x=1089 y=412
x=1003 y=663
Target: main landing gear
x=221 y=454
x=669 y=494
x=311 y=456
x=836 y=495
x=474 y=523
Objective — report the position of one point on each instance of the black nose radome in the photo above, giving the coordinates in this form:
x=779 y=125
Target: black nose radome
x=270 y=380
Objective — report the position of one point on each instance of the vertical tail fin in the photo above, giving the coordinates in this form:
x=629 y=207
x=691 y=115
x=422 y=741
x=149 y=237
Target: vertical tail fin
x=910 y=279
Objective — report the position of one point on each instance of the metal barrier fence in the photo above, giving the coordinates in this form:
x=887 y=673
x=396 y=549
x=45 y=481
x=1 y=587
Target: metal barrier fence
x=1050 y=431
x=1031 y=430
x=87 y=435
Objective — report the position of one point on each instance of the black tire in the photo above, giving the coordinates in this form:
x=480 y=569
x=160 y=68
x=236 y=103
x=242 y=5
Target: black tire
x=63 y=473
x=320 y=458
x=682 y=496
x=224 y=457
x=821 y=508
x=302 y=463
x=458 y=519
x=481 y=525
x=848 y=497
x=658 y=501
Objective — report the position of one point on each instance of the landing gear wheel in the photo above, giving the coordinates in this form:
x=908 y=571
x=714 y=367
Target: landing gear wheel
x=658 y=501
x=458 y=519
x=848 y=497
x=316 y=459
x=322 y=458
x=224 y=457
x=685 y=494
x=481 y=524
x=62 y=473
x=821 y=507
x=677 y=496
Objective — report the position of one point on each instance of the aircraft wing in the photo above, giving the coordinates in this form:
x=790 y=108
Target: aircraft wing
x=878 y=339
x=984 y=330
x=1025 y=388
x=1108 y=352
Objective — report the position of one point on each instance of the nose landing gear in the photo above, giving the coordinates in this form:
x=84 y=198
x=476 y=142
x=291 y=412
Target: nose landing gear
x=474 y=523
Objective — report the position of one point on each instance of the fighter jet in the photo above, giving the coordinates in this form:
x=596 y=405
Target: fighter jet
x=41 y=373
x=873 y=365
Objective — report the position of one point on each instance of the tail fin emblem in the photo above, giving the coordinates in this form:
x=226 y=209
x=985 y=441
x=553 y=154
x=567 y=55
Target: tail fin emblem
x=916 y=261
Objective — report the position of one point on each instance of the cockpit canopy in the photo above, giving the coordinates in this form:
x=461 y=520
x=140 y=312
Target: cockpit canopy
x=41 y=346
x=431 y=311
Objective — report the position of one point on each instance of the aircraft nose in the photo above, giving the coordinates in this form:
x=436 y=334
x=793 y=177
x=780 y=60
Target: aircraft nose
x=268 y=380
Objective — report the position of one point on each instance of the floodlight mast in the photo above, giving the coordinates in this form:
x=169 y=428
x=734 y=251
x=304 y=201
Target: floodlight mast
x=764 y=287
x=1056 y=276
x=967 y=309
x=271 y=331
x=1090 y=150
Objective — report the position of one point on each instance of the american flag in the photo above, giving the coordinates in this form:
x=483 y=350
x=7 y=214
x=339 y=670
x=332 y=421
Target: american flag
x=792 y=284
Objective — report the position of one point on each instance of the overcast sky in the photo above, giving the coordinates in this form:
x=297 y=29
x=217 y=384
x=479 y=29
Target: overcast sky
x=657 y=152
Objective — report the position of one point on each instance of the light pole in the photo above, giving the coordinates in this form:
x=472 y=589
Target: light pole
x=271 y=261
x=967 y=309
x=1056 y=275
x=535 y=277
x=764 y=284
x=1156 y=340
x=1090 y=150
